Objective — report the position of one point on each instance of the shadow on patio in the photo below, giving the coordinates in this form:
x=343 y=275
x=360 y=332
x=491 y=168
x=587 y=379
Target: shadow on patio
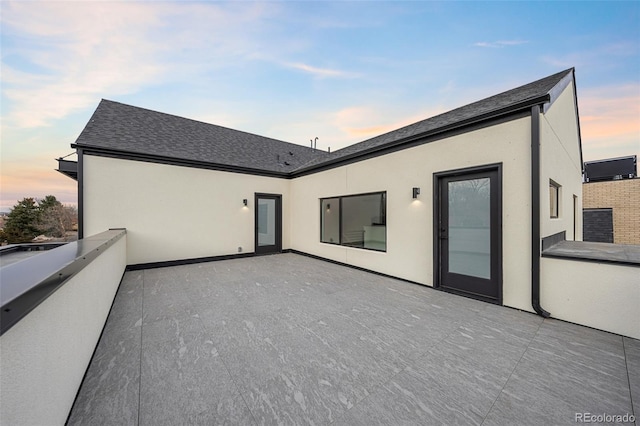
x=287 y=339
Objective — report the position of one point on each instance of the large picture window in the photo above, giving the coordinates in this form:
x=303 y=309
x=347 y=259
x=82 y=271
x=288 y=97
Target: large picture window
x=355 y=221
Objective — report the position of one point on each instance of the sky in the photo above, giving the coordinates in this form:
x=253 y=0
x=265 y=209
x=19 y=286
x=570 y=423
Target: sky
x=339 y=71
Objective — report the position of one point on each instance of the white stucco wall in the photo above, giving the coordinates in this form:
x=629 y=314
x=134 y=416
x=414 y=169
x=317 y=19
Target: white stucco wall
x=410 y=222
x=43 y=357
x=173 y=212
x=598 y=295
x=560 y=162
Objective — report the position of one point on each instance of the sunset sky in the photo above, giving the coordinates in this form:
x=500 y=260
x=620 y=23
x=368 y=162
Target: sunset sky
x=339 y=71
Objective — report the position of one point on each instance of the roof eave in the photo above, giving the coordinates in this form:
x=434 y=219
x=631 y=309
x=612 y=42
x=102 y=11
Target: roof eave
x=152 y=158
x=511 y=109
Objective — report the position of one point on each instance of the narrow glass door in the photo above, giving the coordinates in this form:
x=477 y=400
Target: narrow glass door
x=268 y=223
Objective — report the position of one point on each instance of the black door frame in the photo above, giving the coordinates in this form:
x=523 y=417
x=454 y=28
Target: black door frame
x=497 y=246
x=277 y=247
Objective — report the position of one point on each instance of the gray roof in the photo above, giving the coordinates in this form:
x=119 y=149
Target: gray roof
x=505 y=101
x=120 y=128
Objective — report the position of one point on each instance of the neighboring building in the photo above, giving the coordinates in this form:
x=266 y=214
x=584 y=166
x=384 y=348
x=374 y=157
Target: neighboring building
x=611 y=201
x=460 y=201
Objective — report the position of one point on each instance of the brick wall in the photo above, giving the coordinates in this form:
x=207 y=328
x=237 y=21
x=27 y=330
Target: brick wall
x=623 y=196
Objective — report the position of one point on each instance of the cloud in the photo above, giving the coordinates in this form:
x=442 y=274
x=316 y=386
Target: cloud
x=320 y=72
x=609 y=121
x=500 y=43
x=62 y=57
x=362 y=122
x=604 y=56
x=76 y=52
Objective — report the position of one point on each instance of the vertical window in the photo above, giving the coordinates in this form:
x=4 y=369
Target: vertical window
x=355 y=221
x=554 y=199
x=575 y=216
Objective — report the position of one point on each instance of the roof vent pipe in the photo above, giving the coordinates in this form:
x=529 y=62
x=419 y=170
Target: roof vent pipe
x=315 y=143
x=329 y=149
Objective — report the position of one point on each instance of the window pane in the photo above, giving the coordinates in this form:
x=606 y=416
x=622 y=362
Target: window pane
x=266 y=222
x=355 y=221
x=330 y=222
x=364 y=221
x=470 y=227
x=553 y=200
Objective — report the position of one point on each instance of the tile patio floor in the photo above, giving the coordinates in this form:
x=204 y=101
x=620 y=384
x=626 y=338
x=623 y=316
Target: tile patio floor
x=286 y=339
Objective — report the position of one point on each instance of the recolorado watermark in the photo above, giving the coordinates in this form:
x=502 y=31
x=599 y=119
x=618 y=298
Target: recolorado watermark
x=604 y=418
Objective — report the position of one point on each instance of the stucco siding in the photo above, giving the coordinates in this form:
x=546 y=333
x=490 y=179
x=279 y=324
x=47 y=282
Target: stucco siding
x=172 y=212
x=560 y=162
x=410 y=222
x=45 y=355
x=599 y=295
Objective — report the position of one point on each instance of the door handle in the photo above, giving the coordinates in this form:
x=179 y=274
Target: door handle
x=443 y=234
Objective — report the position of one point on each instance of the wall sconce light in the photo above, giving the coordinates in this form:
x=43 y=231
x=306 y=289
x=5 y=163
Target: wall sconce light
x=245 y=202
x=416 y=192
x=328 y=207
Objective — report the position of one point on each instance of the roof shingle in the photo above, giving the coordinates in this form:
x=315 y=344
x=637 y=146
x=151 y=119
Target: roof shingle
x=124 y=128
x=127 y=129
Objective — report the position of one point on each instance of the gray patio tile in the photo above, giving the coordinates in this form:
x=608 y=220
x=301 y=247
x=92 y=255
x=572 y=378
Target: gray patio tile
x=609 y=359
x=164 y=296
x=487 y=338
x=526 y=323
x=125 y=318
x=459 y=380
x=183 y=375
x=547 y=389
x=128 y=300
x=632 y=352
x=110 y=390
x=231 y=410
x=253 y=358
x=581 y=335
x=357 y=346
x=455 y=306
x=412 y=342
x=308 y=307
x=408 y=400
x=471 y=365
x=310 y=393
x=273 y=372
x=288 y=339
x=174 y=333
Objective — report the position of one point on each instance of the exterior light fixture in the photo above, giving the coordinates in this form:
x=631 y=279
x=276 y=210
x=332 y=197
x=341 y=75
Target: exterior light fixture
x=416 y=192
x=328 y=207
x=245 y=202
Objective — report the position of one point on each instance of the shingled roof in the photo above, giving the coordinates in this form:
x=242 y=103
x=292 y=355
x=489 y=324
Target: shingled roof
x=119 y=129
x=507 y=102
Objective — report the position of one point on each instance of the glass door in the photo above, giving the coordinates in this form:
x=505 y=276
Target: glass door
x=469 y=234
x=268 y=223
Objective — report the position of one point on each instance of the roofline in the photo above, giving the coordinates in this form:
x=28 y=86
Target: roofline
x=173 y=161
x=491 y=115
x=205 y=123
x=612 y=159
x=501 y=113
x=575 y=103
